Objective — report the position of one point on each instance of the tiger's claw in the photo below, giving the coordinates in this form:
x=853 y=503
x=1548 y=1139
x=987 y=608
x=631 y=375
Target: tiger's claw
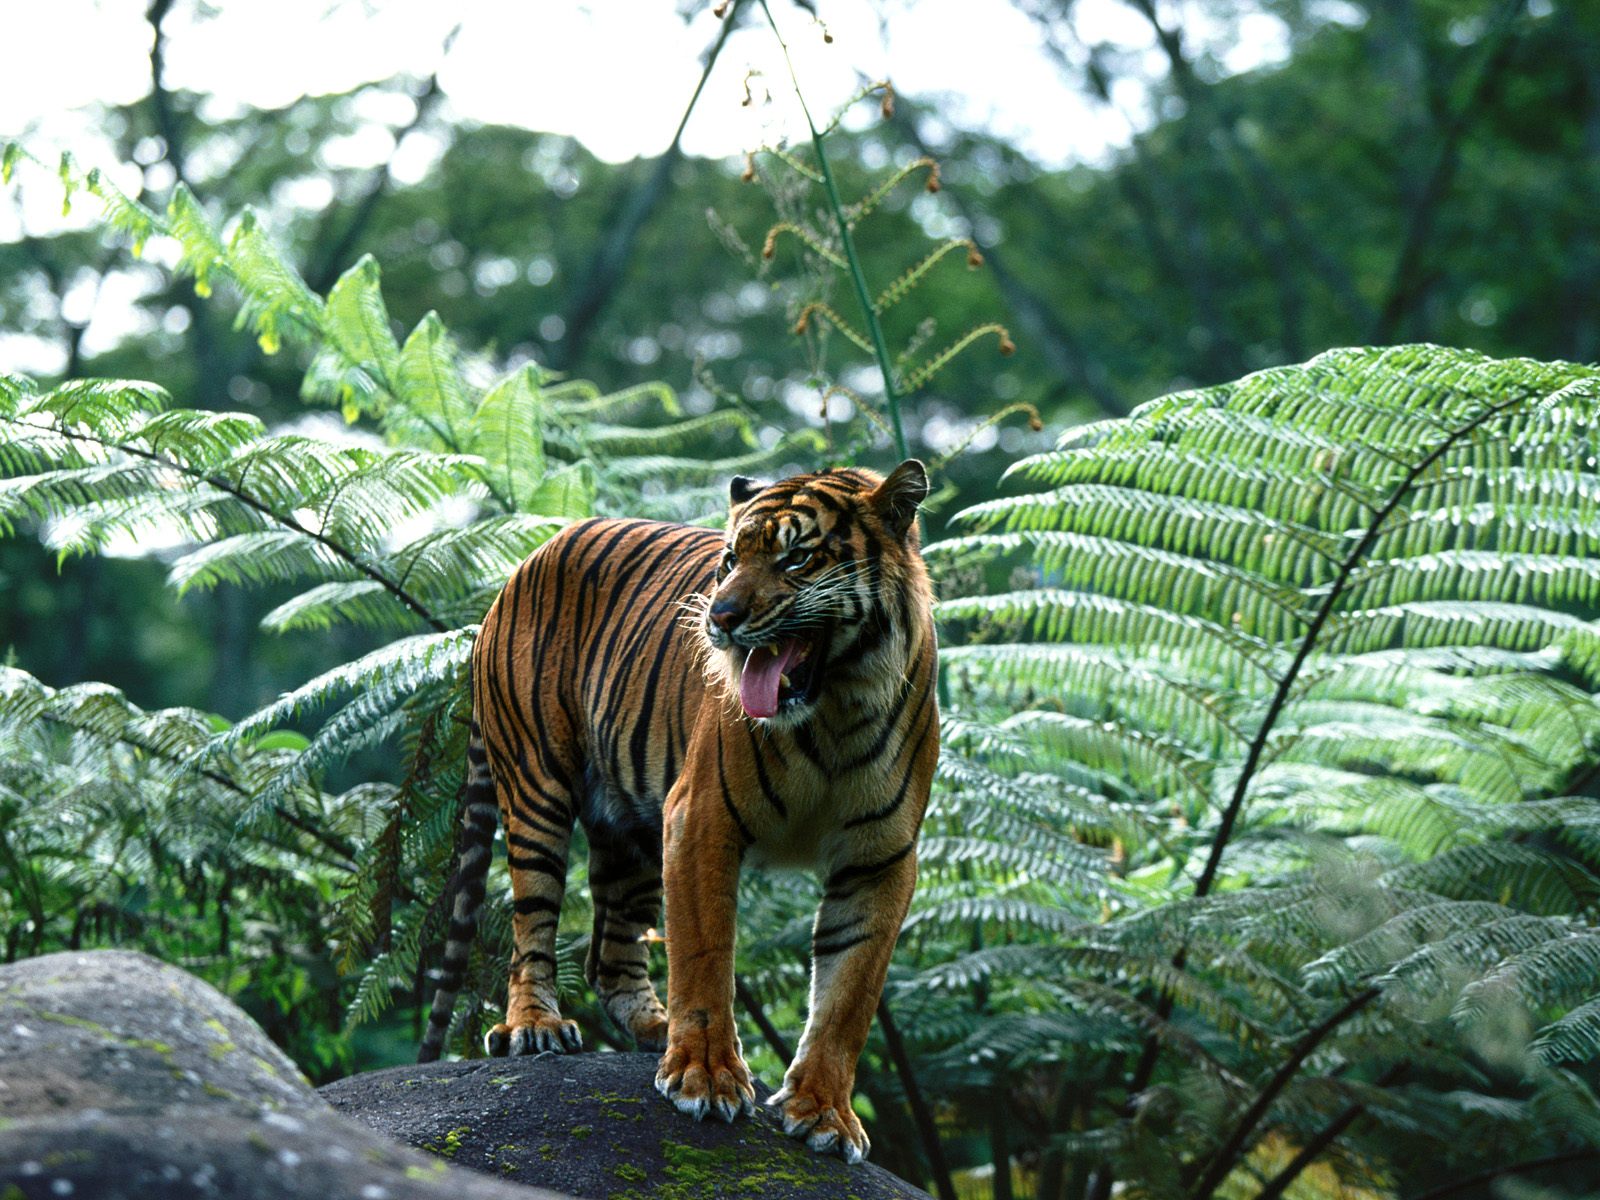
x=699 y=1080
x=550 y=1035
x=827 y=1128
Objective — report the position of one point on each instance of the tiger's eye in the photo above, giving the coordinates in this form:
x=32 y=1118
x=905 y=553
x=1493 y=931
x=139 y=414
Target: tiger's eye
x=796 y=559
x=729 y=561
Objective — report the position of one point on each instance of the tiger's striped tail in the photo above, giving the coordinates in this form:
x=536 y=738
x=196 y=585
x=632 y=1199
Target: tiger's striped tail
x=479 y=815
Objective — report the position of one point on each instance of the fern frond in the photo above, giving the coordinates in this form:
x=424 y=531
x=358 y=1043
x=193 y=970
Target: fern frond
x=919 y=376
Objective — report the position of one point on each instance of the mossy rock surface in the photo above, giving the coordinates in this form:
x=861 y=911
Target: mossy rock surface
x=592 y=1125
x=123 y=1077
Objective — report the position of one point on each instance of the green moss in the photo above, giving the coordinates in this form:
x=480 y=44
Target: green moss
x=614 y=1107
x=449 y=1145
x=507 y=1167
x=259 y=1142
x=547 y=1152
x=432 y=1171
x=13 y=1192
x=224 y=1045
x=102 y=1032
x=503 y=1080
x=692 y=1174
x=629 y=1171
x=614 y=1098
x=212 y=1089
x=581 y=1131
x=265 y=1065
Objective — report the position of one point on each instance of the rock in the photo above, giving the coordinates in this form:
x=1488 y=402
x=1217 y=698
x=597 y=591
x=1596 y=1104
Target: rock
x=592 y=1125
x=122 y=1077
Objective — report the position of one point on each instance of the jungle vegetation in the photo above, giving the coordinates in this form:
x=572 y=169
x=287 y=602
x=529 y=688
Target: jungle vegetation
x=1264 y=857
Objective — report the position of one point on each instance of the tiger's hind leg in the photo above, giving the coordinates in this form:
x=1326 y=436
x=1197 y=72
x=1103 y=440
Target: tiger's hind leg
x=537 y=811
x=625 y=882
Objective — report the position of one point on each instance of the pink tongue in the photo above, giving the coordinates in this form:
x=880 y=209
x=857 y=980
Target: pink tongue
x=758 y=682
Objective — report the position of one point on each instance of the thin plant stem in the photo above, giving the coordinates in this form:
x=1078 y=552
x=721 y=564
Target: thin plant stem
x=1518 y=1168
x=1325 y=1137
x=921 y=1113
x=891 y=400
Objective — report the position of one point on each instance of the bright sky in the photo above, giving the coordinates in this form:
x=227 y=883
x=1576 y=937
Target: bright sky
x=614 y=73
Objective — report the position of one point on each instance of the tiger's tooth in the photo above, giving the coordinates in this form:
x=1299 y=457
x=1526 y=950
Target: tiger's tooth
x=772 y=649
x=784 y=679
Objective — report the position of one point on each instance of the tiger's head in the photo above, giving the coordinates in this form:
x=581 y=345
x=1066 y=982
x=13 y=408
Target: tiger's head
x=820 y=592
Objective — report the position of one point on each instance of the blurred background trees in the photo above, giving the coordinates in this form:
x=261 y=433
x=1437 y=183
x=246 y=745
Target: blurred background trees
x=1416 y=170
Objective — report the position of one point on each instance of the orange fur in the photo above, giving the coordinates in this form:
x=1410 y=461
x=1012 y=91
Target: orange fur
x=606 y=690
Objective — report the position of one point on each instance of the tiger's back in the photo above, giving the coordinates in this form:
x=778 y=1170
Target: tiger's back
x=585 y=673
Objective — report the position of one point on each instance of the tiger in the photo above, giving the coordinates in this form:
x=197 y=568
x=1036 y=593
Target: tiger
x=699 y=699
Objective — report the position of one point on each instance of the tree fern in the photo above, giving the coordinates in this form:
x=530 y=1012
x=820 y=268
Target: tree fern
x=1330 y=629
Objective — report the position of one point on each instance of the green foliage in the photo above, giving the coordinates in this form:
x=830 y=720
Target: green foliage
x=404 y=524
x=138 y=847
x=1327 y=635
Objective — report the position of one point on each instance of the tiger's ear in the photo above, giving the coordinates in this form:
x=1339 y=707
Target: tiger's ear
x=742 y=489
x=895 y=500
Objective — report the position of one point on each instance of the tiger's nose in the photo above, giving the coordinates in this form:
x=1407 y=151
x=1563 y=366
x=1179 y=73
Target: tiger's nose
x=726 y=614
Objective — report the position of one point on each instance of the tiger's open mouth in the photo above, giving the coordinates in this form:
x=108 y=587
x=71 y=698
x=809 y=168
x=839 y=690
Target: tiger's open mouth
x=783 y=674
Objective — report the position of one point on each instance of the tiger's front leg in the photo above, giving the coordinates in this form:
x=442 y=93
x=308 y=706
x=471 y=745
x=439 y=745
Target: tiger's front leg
x=703 y=1069
x=857 y=923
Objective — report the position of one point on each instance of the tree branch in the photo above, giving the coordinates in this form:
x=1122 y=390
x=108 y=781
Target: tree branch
x=1406 y=285
x=752 y=1005
x=1223 y=1162
x=598 y=281
x=927 y=1131
x=1203 y=102
x=330 y=262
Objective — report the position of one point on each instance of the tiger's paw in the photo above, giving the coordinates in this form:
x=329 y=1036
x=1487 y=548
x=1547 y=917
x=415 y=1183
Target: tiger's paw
x=641 y=1016
x=702 y=1074
x=545 y=1035
x=650 y=1032
x=824 y=1121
